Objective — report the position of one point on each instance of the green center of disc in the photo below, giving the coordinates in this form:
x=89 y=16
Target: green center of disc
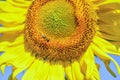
x=56 y=19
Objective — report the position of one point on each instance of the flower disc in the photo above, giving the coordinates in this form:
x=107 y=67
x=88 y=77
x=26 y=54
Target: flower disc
x=59 y=30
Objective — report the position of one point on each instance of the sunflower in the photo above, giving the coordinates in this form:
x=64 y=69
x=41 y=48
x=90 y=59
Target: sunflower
x=59 y=39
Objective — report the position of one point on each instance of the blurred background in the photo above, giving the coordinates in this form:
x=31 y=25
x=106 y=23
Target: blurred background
x=105 y=75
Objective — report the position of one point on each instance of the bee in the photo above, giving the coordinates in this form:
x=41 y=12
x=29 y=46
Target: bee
x=45 y=38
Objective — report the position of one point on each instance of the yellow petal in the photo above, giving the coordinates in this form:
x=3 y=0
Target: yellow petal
x=10 y=77
x=2 y=67
x=20 y=3
x=9 y=8
x=108 y=68
x=17 y=57
x=10 y=34
x=14 y=29
x=11 y=4
x=108 y=1
x=22 y=64
x=11 y=38
x=88 y=66
x=106 y=46
x=98 y=66
x=43 y=71
x=56 y=72
x=68 y=72
x=104 y=56
x=96 y=74
x=119 y=50
x=76 y=71
x=117 y=44
x=18 y=41
x=11 y=54
x=4 y=44
x=8 y=19
x=31 y=71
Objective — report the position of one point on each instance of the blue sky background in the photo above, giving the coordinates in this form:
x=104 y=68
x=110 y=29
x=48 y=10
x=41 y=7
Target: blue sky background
x=105 y=75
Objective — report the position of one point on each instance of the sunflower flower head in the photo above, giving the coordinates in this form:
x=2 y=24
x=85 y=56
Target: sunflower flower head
x=58 y=39
x=54 y=32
